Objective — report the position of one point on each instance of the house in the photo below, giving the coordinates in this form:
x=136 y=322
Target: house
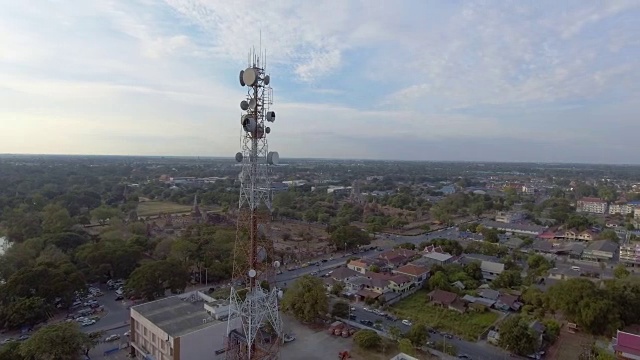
x=479 y=300
x=570 y=235
x=397 y=257
x=508 y=302
x=592 y=205
x=600 y=250
x=342 y=273
x=400 y=283
x=438 y=258
x=563 y=274
x=432 y=248
x=447 y=300
x=448 y=190
x=538 y=329
x=587 y=235
x=489 y=294
x=358 y=265
x=493 y=337
x=491 y=270
x=627 y=345
x=356 y=283
x=417 y=273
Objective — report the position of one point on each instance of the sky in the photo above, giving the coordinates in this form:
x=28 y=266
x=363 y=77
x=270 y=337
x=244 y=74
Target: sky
x=548 y=81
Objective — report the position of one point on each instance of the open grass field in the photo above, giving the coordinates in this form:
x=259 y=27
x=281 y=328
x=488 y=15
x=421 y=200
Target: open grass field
x=150 y=208
x=568 y=346
x=469 y=325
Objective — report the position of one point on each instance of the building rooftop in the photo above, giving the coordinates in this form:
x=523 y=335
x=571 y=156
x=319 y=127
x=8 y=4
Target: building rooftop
x=438 y=256
x=603 y=245
x=175 y=316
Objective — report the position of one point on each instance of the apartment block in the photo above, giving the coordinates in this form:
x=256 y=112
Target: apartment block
x=630 y=253
x=176 y=328
x=592 y=205
x=509 y=217
x=622 y=209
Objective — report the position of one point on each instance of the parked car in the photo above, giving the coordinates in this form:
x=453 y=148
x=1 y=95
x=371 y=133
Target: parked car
x=289 y=338
x=24 y=337
x=406 y=322
x=111 y=338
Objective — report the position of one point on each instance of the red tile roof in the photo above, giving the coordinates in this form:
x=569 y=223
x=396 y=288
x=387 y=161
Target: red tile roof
x=442 y=297
x=592 y=199
x=413 y=270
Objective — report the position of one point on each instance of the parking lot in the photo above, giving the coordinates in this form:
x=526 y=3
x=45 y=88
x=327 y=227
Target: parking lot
x=311 y=344
x=99 y=351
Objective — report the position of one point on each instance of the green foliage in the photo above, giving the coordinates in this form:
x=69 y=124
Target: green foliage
x=104 y=213
x=11 y=351
x=340 y=309
x=152 y=278
x=405 y=346
x=517 y=336
x=468 y=325
x=337 y=288
x=350 y=235
x=507 y=279
x=395 y=332
x=620 y=271
x=417 y=334
x=367 y=339
x=306 y=299
x=59 y=341
x=486 y=248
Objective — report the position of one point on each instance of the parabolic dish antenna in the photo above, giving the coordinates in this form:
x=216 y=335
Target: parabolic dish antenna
x=239 y=157
x=271 y=116
x=273 y=158
x=241 y=77
x=252 y=273
x=244 y=105
x=252 y=104
x=267 y=79
x=268 y=130
x=276 y=264
x=250 y=76
x=248 y=123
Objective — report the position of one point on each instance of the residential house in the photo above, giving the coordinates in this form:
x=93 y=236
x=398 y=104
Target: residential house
x=343 y=272
x=491 y=270
x=448 y=190
x=417 y=273
x=571 y=235
x=627 y=345
x=600 y=250
x=592 y=205
x=493 y=337
x=563 y=274
x=489 y=294
x=433 y=248
x=400 y=283
x=447 y=300
x=587 y=235
x=528 y=189
x=479 y=301
x=538 y=329
x=508 y=302
x=438 y=258
x=356 y=283
x=630 y=253
x=397 y=257
x=358 y=265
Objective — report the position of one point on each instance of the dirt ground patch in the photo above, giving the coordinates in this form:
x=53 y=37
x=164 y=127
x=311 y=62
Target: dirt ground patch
x=311 y=344
x=569 y=346
x=300 y=240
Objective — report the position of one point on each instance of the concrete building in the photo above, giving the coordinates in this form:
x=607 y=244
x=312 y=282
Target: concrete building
x=622 y=209
x=438 y=258
x=509 y=216
x=592 y=205
x=626 y=345
x=177 y=328
x=630 y=253
x=491 y=270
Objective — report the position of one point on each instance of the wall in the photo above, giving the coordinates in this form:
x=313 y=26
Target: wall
x=203 y=344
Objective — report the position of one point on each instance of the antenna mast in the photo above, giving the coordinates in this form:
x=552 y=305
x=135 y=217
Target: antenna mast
x=254 y=298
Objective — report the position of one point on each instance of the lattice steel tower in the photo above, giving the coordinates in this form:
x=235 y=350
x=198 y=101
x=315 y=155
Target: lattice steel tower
x=254 y=299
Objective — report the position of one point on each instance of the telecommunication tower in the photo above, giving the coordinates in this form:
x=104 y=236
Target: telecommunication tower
x=254 y=298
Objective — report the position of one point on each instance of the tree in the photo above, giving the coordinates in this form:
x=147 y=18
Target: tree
x=516 y=336
x=350 y=235
x=405 y=346
x=507 y=279
x=337 y=288
x=56 y=342
x=367 y=339
x=152 y=279
x=395 y=332
x=103 y=213
x=340 y=309
x=417 y=334
x=439 y=281
x=56 y=219
x=609 y=234
x=306 y=299
x=11 y=351
x=620 y=272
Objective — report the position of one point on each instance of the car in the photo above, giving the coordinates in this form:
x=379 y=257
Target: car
x=366 y=322
x=24 y=337
x=406 y=322
x=288 y=338
x=7 y=340
x=119 y=297
x=111 y=338
x=366 y=309
x=353 y=308
x=128 y=333
x=464 y=356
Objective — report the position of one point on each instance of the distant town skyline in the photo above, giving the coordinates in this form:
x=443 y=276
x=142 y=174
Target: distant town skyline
x=405 y=80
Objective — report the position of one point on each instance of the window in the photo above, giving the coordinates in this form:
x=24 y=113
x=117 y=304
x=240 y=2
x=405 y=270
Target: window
x=145 y=332
x=153 y=338
x=162 y=345
x=138 y=326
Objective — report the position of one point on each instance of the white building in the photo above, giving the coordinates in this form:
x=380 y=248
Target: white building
x=528 y=189
x=622 y=209
x=592 y=205
x=177 y=328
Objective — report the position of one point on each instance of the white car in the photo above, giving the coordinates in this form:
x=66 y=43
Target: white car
x=111 y=338
x=406 y=322
x=366 y=309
